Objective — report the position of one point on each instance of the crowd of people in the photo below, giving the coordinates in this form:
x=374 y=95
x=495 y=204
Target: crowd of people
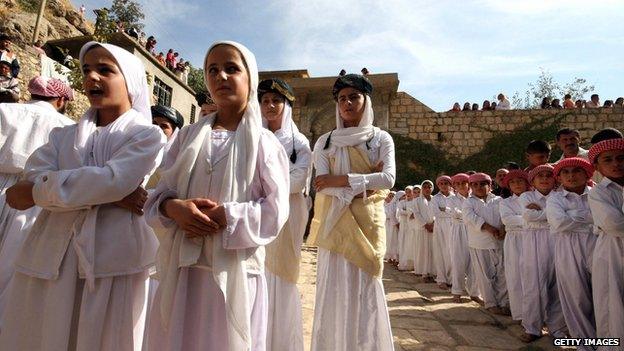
x=502 y=103
x=547 y=103
x=539 y=244
x=171 y=60
x=130 y=231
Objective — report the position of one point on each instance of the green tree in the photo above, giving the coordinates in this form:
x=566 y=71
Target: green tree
x=546 y=86
x=129 y=12
x=196 y=80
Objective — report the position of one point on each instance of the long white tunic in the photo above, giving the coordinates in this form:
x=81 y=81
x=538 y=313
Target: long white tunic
x=285 y=323
x=406 y=236
x=198 y=317
x=571 y=221
x=49 y=276
x=511 y=216
x=23 y=128
x=539 y=284
x=462 y=274
x=424 y=259
x=392 y=232
x=606 y=201
x=441 y=211
x=486 y=252
x=350 y=311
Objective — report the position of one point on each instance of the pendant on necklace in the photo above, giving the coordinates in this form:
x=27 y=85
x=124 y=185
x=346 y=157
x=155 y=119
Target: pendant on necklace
x=209 y=167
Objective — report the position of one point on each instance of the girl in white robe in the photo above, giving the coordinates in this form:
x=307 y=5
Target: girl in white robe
x=283 y=256
x=223 y=198
x=406 y=250
x=82 y=271
x=391 y=228
x=351 y=311
x=401 y=220
x=423 y=245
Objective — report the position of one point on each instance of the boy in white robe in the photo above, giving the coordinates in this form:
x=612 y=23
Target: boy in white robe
x=540 y=298
x=485 y=237
x=442 y=231
x=283 y=255
x=606 y=201
x=517 y=181
x=406 y=218
x=462 y=275
x=424 y=224
x=80 y=281
x=571 y=224
x=351 y=311
x=23 y=129
x=223 y=198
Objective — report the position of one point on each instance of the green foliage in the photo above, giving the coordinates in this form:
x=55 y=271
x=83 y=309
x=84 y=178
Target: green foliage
x=417 y=160
x=75 y=75
x=129 y=12
x=546 y=86
x=31 y=6
x=196 y=79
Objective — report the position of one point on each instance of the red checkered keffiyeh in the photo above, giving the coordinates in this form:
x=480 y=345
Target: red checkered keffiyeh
x=480 y=177
x=460 y=177
x=605 y=145
x=443 y=177
x=513 y=174
x=574 y=162
x=50 y=87
x=535 y=171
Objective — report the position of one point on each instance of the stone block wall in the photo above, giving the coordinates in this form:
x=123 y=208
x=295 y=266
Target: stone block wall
x=462 y=134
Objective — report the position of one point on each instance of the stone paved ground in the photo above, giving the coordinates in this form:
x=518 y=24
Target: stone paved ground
x=424 y=318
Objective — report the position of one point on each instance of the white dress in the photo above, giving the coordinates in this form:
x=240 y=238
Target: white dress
x=462 y=274
x=406 y=233
x=441 y=237
x=350 y=311
x=285 y=323
x=606 y=201
x=50 y=304
x=23 y=128
x=392 y=233
x=424 y=260
x=198 y=317
x=511 y=215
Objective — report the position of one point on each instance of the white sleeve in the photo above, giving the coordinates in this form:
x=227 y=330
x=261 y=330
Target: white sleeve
x=470 y=215
x=560 y=221
x=92 y=185
x=300 y=171
x=380 y=180
x=530 y=215
x=607 y=216
x=509 y=217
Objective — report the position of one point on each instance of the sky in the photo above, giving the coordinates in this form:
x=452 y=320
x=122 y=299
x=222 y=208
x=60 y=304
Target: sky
x=443 y=51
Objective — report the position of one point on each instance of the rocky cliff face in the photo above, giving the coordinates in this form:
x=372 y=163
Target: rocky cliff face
x=61 y=20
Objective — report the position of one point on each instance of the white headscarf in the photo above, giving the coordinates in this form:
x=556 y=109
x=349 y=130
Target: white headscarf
x=134 y=74
x=286 y=133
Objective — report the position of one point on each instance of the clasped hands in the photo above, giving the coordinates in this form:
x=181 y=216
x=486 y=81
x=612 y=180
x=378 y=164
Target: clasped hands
x=338 y=181
x=497 y=233
x=197 y=217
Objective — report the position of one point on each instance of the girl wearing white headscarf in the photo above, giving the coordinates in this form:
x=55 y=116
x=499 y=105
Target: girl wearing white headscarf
x=223 y=197
x=404 y=212
x=81 y=274
x=355 y=167
x=283 y=256
x=392 y=253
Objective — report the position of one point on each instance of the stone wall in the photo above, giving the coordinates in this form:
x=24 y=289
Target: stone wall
x=462 y=134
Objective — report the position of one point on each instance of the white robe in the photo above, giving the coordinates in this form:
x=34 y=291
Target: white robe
x=405 y=237
x=198 y=317
x=462 y=273
x=48 y=275
x=540 y=298
x=424 y=259
x=350 y=311
x=23 y=128
x=392 y=233
x=441 y=211
x=571 y=221
x=511 y=215
x=486 y=252
x=606 y=202
x=285 y=322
